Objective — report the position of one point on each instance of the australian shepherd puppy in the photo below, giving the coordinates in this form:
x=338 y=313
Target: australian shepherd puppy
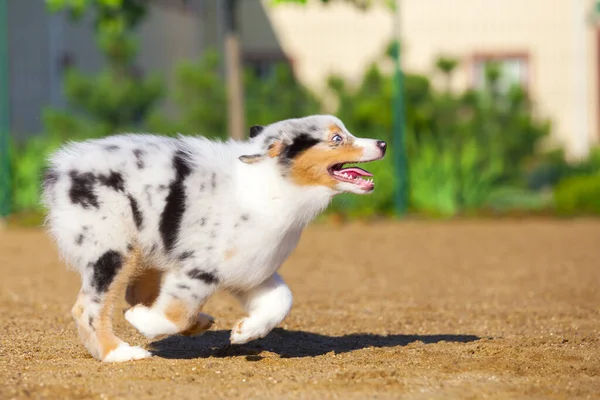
x=169 y=221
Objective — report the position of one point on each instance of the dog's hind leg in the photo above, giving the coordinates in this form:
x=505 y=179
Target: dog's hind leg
x=267 y=305
x=103 y=280
x=176 y=309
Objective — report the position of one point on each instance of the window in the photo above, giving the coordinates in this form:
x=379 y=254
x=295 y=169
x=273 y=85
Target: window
x=514 y=70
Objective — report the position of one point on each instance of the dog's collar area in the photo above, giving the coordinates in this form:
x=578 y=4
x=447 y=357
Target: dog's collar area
x=352 y=175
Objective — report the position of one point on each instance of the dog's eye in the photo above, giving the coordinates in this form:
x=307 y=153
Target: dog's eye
x=336 y=139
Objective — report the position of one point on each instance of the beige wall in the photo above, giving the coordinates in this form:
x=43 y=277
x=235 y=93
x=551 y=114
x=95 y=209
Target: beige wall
x=334 y=38
x=544 y=29
x=326 y=39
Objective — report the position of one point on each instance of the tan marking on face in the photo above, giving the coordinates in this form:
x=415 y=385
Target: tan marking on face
x=334 y=129
x=310 y=167
x=178 y=313
x=144 y=287
x=230 y=253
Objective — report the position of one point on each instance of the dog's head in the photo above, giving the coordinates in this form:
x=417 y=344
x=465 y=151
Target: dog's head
x=314 y=151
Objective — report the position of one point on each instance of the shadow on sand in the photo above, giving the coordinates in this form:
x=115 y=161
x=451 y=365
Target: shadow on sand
x=288 y=344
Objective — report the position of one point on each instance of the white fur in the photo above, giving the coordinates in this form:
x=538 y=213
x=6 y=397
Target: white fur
x=126 y=352
x=267 y=305
x=149 y=322
x=241 y=220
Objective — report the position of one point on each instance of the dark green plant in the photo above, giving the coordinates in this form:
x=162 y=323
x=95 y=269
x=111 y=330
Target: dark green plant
x=28 y=161
x=117 y=98
x=460 y=146
x=578 y=195
x=200 y=95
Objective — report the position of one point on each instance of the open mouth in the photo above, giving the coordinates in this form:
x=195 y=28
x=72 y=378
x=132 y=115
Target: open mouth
x=354 y=175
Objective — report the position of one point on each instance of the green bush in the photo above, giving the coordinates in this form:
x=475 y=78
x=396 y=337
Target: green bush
x=578 y=195
x=200 y=95
x=28 y=161
x=460 y=146
x=551 y=168
x=117 y=100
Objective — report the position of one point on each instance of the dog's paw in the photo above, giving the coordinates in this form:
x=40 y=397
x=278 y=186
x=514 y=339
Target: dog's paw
x=203 y=323
x=150 y=323
x=125 y=352
x=248 y=329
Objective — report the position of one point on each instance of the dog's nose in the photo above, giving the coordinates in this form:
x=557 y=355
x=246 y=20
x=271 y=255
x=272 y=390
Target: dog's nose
x=382 y=145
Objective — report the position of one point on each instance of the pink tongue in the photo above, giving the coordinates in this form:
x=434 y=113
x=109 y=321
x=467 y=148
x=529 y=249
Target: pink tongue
x=355 y=171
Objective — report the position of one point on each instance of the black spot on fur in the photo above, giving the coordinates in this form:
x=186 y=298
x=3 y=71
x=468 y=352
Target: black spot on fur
x=185 y=255
x=105 y=270
x=170 y=219
x=129 y=247
x=300 y=144
x=135 y=211
x=96 y=300
x=82 y=189
x=256 y=130
x=154 y=248
x=213 y=181
x=139 y=160
x=183 y=287
x=245 y=217
x=202 y=221
x=202 y=187
x=91 y=321
x=111 y=147
x=113 y=180
x=49 y=178
x=79 y=239
x=203 y=276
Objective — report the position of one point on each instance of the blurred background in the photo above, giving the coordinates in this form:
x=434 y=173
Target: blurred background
x=490 y=108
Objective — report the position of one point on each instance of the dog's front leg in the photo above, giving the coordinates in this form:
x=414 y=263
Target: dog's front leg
x=267 y=305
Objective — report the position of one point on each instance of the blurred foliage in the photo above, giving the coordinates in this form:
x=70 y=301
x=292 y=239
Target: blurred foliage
x=118 y=98
x=28 y=161
x=114 y=21
x=361 y=4
x=200 y=94
x=578 y=195
x=468 y=151
x=461 y=147
x=551 y=168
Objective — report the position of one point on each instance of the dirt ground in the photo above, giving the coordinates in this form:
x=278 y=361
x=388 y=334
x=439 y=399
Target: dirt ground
x=415 y=310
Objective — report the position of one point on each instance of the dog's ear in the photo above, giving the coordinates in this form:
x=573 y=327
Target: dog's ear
x=273 y=151
x=251 y=159
x=256 y=130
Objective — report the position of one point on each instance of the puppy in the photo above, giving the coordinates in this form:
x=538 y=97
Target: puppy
x=172 y=220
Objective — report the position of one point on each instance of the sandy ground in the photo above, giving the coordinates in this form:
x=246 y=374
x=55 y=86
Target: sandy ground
x=416 y=310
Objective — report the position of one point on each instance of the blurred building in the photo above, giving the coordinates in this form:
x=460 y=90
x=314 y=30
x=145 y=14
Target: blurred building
x=549 y=46
x=41 y=45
